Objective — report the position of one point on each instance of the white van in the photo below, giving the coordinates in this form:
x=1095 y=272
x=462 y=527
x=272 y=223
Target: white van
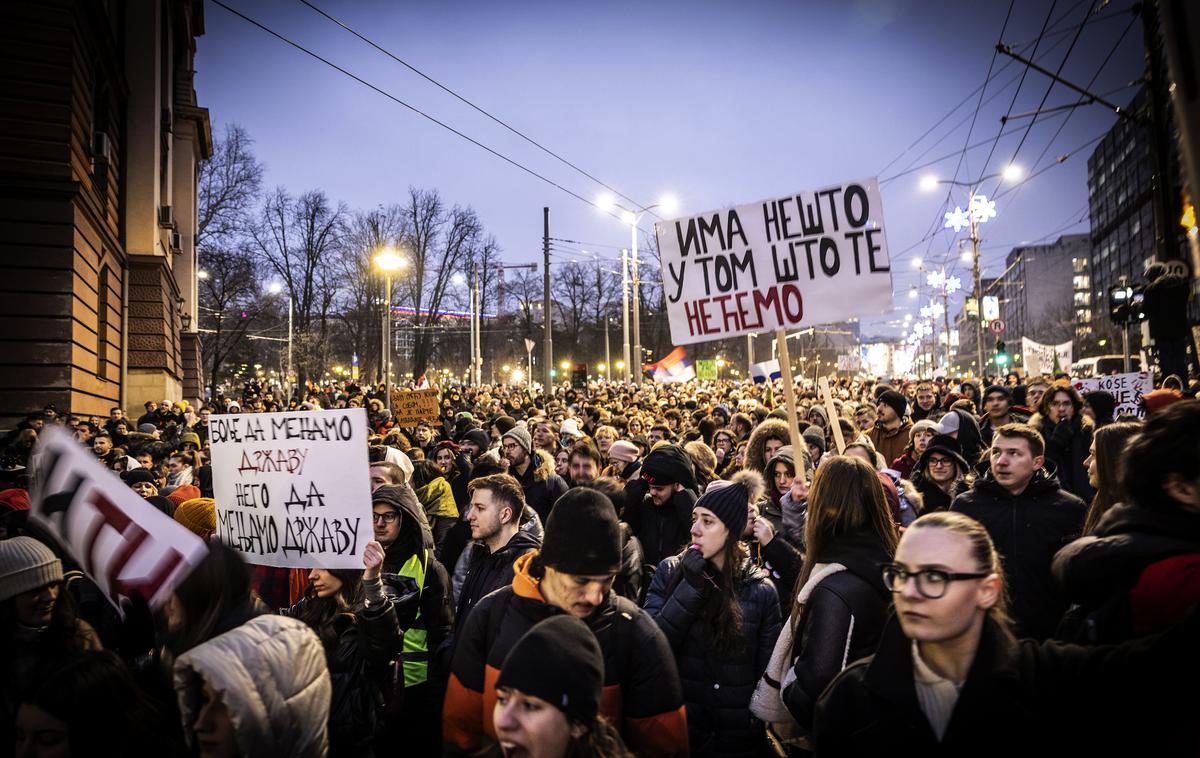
x=1103 y=365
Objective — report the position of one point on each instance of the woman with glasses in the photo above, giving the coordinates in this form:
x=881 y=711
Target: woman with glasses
x=950 y=678
x=839 y=606
x=941 y=474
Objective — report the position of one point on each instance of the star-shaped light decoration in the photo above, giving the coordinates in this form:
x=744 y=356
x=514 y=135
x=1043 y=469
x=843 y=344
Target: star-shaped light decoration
x=936 y=279
x=982 y=209
x=953 y=284
x=957 y=219
x=935 y=308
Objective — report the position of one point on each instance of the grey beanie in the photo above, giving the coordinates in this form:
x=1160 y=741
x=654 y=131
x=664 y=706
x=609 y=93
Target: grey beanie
x=26 y=564
x=521 y=435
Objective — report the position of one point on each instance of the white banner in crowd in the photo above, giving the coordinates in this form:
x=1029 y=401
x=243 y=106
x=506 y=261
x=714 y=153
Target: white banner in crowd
x=293 y=488
x=1039 y=359
x=1126 y=388
x=808 y=258
x=122 y=542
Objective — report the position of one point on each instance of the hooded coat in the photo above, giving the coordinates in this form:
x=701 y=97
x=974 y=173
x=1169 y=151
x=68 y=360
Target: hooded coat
x=641 y=695
x=541 y=485
x=1138 y=573
x=717 y=687
x=756 y=448
x=890 y=443
x=1027 y=529
x=271 y=675
x=437 y=498
x=662 y=530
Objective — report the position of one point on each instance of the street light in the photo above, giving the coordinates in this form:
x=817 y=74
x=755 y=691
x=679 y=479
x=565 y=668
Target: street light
x=275 y=288
x=979 y=210
x=669 y=205
x=388 y=261
x=202 y=274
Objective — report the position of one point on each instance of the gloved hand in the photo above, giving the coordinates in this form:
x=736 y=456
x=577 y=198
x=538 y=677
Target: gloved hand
x=695 y=567
x=136 y=638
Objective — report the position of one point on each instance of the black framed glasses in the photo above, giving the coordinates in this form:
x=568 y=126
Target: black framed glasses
x=939 y=462
x=931 y=583
x=386 y=517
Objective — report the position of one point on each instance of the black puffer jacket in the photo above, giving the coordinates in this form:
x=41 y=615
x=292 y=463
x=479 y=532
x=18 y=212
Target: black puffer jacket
x=491 y=571
x=661 y=530
x=1028 y=530
x=842 y=620
x=359 y=649
x=932 y=496
x=1097 y=572
x=717 y=688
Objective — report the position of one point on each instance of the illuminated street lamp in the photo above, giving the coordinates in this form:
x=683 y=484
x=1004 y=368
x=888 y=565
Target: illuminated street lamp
x=388 y=261
x=607 y=203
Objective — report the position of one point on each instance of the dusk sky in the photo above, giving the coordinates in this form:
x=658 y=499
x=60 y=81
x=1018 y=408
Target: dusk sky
x=717 y=103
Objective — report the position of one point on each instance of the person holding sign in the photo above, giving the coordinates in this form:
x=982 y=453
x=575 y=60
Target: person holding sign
x=358 y=626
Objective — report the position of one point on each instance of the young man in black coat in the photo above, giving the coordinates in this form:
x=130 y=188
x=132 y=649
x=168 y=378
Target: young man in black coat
x=1029 y=517
x=658 y=507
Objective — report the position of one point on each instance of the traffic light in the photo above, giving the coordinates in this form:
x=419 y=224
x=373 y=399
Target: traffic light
x=1119 y=297
x=1001 y=354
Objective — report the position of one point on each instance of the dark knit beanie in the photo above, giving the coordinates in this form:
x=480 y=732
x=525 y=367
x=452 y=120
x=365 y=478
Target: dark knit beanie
x=558 y=660
x=669 y=464
x=1103 y=404
x=815 y=437
x=137 y=475
x=479 y=437
x=1007 y=392
x=895 y=400
x=730 y=501
x=582 y=535
x=504 y=423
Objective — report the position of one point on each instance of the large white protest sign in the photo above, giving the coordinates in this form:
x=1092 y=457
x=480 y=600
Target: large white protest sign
x=1126 y=388
x=1039 y=359
x=293 y=488
x=122 y=542
x=808 y=258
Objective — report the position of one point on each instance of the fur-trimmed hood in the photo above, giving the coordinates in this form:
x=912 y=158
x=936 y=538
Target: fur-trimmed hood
x=543 y=465
x=756 y=448
x=1037 y=419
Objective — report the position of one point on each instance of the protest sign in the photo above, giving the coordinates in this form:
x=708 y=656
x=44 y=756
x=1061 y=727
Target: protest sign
x=410 y=407
x=706 y=370
x=808 y=258
x=122 y=542
x=292 y=488
x=1039 y=359
x=1126 y=388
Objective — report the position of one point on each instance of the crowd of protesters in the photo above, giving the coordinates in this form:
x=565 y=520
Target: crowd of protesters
x=952 y=567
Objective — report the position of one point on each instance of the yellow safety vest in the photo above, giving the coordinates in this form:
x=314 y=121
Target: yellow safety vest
x=415 y=655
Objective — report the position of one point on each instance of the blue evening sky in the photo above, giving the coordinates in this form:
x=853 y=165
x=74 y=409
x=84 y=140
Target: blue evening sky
x=717 y=103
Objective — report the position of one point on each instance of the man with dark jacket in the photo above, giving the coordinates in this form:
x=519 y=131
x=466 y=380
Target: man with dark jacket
x=573 y=573
x=1029 y=518
x=497 y=503
x=1165 y=305
x=890 y=435
x=658 y=507
x=534 y=469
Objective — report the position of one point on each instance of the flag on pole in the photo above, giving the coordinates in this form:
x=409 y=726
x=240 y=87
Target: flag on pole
x=422 y=383
x=676 y=367
x=761 y=372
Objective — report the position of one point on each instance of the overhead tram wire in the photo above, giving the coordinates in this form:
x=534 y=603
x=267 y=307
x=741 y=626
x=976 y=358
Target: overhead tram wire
x=477 y=108
x=1049 y=89
x=410 y=107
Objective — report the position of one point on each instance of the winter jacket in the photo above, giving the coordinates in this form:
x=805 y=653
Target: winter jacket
x=842 y=620
x=1068 y=445
x=530 y=523
x=1165 y=305
x=271 y=674
x=542 y=486
x=890 y=443
x=437 y=498
x=932 y=496
x=717 y=686
x=641 y=686
x=987 y=429
x=1138 y=574
x=664 y=530
x=1021 y=698
x=359 y=649
x=631 y=579
x=491 y=571
x=1027 y=529
x=968 y=437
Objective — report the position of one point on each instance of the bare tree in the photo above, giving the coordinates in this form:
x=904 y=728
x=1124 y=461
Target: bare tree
x=298 y=240
x=441 y=241
x=360 y=302
x=230 y=303
x=571 y=288
x=228 y=187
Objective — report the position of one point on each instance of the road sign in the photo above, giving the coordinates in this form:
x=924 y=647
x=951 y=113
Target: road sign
x=997 y=326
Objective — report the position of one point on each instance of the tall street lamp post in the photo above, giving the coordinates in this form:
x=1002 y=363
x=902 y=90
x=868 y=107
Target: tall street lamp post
x=979 y=210
x=275 y=289
x=633 y=218
x=388 y=261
